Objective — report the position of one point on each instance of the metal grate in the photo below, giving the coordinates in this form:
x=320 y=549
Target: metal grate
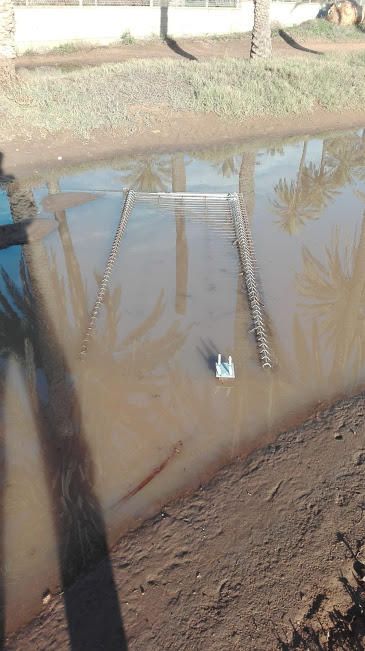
x=223 y=213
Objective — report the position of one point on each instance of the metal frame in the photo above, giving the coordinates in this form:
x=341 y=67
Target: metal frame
x=223 y=212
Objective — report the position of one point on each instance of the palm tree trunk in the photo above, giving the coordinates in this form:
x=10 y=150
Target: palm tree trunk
x=261 y=34
x=7 y=30
x=179 y=185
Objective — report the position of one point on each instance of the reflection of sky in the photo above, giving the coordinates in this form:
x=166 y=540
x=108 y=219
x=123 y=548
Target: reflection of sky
x=150 y=242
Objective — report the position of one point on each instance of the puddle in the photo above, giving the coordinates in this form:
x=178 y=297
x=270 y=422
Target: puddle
x=95 y=445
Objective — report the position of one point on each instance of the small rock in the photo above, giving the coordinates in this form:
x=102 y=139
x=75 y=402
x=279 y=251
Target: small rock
x=338 y=436
x=46 y=598
x=198 y=575
x=359 y=458
x=59 y=157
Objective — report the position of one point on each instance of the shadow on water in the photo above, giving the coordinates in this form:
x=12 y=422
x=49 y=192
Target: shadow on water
x=209 y=352
x=93 y=617
x=290 y=41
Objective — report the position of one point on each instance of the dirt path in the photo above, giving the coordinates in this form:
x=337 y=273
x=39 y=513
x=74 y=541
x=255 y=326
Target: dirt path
x=184 y=48
x=258 y=550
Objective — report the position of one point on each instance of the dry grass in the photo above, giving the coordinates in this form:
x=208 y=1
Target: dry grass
x=51 y=101
x=322 y=30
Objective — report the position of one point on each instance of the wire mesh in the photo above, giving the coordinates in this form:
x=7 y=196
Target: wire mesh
x=223 y=213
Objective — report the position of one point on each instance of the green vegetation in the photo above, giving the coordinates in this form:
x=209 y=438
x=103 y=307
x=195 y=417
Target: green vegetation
x=322 y=30
x=224 y=37
x=127 y=38
x=80 y=101
x=68 y=48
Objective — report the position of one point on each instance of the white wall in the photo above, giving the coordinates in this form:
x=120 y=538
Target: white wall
x=46 y=27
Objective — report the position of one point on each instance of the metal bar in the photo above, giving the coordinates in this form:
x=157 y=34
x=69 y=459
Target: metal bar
x=246 y=251
x=127 y=209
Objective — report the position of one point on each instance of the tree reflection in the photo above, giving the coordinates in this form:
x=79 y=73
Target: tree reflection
x=226 y=167
x=345 y=157
x=316 y=185
x=293 y=204
x=334 y=293
x=151 y=174
x=181 y=267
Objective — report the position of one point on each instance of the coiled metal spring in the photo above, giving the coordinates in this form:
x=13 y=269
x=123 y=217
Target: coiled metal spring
x=247 y=258
x=127 y=209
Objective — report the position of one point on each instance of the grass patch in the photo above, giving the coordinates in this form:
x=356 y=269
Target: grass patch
x=225 y=37
x=120 y=96
x=321 y=30
x=29 y=52
x=68 y=48
x=127 y=38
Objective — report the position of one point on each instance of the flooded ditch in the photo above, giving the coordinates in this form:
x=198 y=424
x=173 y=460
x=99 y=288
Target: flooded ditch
x=91 y=446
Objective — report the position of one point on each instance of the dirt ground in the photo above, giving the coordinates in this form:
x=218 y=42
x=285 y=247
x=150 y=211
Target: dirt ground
x=169 y=131
x=262 y=557
x=183 y=48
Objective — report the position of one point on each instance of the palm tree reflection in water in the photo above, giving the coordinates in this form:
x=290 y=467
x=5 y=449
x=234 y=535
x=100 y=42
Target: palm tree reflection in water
x=27 y=324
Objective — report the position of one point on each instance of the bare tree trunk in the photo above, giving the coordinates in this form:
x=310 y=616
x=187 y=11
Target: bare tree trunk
x=261 y=34
x=7 y=31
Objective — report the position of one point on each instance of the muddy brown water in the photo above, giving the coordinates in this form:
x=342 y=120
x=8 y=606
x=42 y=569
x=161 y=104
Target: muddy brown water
x=98 y=444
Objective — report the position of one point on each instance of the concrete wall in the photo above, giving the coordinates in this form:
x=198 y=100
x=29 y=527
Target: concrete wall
x=45 y=27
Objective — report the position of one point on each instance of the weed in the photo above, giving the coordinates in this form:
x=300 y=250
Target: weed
x=67 y=48
x=225 y=37
x=127 y=38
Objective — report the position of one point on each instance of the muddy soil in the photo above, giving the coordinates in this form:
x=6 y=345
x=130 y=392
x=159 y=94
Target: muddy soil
x=247 y=561
x=169 y=131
